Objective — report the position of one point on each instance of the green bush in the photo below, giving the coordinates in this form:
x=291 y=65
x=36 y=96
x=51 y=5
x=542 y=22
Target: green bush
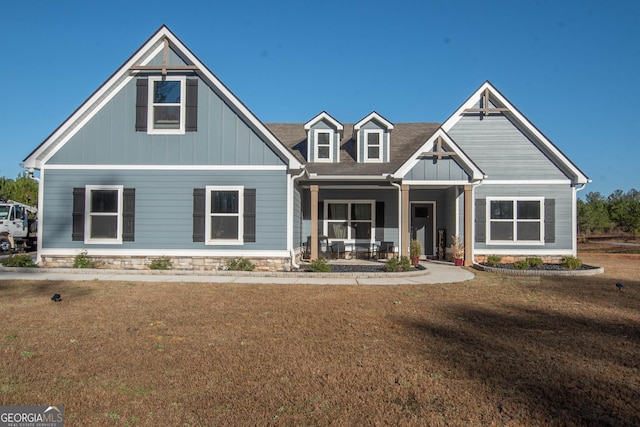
x=397 y=264
x=534 y=262
x=571 y=262
x=493 y=260
x=521 y=264
x=162 y=263
x=82 y=260
x=320 y=265
x=21 y=260
x=240 y=264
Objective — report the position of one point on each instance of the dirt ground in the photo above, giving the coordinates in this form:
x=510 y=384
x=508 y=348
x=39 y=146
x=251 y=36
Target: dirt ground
x=497 y=350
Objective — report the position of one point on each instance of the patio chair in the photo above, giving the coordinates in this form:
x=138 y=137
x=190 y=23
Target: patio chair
x=338 y=249
x=385 y=249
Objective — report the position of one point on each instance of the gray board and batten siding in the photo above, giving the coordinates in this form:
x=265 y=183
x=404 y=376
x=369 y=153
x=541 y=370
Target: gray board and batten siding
x=501 y=150
x=164 y=206
x=222 y=137
x=431 y=169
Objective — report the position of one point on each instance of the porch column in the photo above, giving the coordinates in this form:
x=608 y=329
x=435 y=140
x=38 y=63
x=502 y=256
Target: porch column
x=314 y=222
x=468 y=225
x=404 y=222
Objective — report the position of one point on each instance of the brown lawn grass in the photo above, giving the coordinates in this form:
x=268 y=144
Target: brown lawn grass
x=497 y=350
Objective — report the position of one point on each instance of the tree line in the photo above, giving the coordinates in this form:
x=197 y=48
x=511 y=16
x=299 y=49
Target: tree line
x=22 y=189
x=620 y=212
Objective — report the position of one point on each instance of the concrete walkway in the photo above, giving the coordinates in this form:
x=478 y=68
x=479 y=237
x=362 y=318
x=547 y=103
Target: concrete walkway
x=433 y=273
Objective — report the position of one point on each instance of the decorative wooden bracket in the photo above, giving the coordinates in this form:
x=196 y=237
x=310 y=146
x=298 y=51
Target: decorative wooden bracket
x=165 y=67
x=438 y=153
x=485 y=108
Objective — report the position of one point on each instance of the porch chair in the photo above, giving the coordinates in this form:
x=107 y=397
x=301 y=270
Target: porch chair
x=338 y=249
x=385 y=249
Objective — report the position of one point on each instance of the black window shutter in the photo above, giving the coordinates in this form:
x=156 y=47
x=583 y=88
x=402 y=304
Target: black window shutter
x=249 y=215
x=142 y=99
x=550 y=220
x=77 y=232
x=191 y=123
x=481 y=220
x=198 y=214
x=379 y=214
x=129 y=215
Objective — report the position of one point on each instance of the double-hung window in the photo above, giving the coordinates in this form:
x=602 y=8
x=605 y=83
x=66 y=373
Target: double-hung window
x=517 y=220
x=224 y=221
x=323 y=145
x=166 y=113
x=373 y=145
x=103 y=214
x=351 y=221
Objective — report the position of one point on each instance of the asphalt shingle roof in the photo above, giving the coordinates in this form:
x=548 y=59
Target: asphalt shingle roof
x=406 y=138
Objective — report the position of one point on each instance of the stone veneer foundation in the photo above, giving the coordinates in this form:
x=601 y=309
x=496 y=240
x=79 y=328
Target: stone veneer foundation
x=507 y=259
x=177 y=263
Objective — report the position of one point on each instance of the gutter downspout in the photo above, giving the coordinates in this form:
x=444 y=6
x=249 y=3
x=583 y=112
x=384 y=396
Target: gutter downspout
x=399 y=187
x=574 y=207
x=292 y=250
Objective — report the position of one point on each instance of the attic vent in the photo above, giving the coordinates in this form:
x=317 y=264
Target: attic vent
x=485 y=106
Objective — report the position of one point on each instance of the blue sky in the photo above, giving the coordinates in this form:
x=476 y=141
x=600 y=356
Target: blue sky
x=571 y=67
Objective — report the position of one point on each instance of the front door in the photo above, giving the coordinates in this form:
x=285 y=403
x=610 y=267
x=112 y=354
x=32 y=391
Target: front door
x=422 y=216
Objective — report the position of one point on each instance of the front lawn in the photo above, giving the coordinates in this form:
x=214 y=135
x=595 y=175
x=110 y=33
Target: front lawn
x=496 y=350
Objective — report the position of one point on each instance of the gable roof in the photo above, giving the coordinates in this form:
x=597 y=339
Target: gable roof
x=505 y=107
x=324 y=116
x=149 y=50
x=461 y=158
x=407 y=138
x=374 y=116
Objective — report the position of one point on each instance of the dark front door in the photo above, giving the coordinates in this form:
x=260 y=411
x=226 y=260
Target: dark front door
x=422 y=226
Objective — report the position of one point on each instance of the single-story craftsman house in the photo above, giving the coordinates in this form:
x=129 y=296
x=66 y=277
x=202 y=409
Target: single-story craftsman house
x=164 y=160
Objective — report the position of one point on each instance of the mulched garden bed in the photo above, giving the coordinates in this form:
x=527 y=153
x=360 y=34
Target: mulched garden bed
x=543 y=267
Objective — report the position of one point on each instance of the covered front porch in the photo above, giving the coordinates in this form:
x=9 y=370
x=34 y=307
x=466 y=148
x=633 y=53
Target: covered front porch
x=379 y=220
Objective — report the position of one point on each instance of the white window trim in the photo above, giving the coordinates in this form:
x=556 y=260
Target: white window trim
x=208 y=215
x=378 y=159
x=515 y=240
x=87 y=214
x=349 y=239
x=183 y=114
x=331 y=133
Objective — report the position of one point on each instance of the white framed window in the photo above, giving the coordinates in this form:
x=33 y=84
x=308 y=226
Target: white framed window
x=518 y=220
x=166 y=105
x=373 y=145
x=103 y=214
x=224 y=215
x=323 y=147
x=351 y=221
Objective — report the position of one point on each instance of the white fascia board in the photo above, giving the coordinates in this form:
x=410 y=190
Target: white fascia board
x=373 y=116
x=142 y=57
x=476 y=173
x=347 y=177
x=326 y=117
x=435 y=183
x=552 y=149
x=169 y=167
x=166 y=252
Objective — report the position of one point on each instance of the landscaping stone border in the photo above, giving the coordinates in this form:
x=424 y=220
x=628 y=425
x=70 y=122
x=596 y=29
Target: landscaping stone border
x=515 y=272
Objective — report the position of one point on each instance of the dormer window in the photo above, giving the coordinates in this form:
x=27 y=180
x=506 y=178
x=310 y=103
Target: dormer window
x=372 y=136
x=324 y=147
x=323 y=139
x=373 y=149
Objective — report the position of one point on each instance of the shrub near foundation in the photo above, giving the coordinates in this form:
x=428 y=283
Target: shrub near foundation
x=571 y=262
x=21 y=260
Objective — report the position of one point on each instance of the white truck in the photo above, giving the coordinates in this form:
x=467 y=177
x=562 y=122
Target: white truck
x=17 y=229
